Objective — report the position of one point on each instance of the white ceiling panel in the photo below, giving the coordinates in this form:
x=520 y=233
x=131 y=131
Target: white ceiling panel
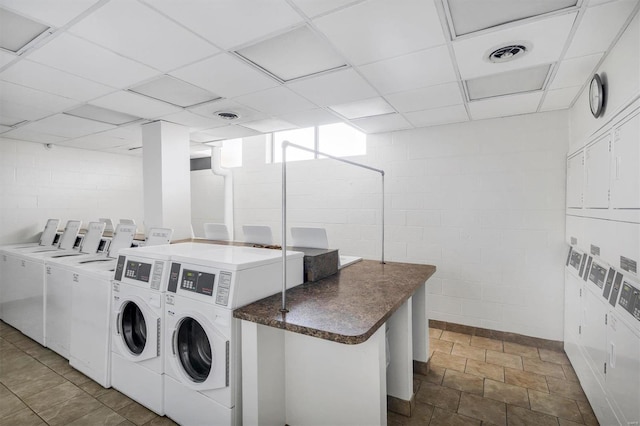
x=420 y=69
x=85 y=59
x=426 y=98
x=230 y=23
x=51 y=80
x=143 y=34
x=599 y=27
x=434 y=117
x=19 y=112
x=67 y=126
x=381 y=29
x=6 y=57
x=244 y=113
x=26 y=134
x=134 y=104
x=14 y=93
x=52 y=13
x=505 y=106
x=225 y=75
x=507 y=83
x=560 y=98
x=98 y=141
x=269 y=125
x=574 y=72
x=309 y=118
x=334 y=88
x=4 y=128
x=313 y=8
x=193 y=121
x=224 y=132
x=382 y=123
x=546 y=39
x=365 y=108
x=275 y=101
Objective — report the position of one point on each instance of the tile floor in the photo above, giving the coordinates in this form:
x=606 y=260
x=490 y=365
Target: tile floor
x=479 y=381
x=473 y=381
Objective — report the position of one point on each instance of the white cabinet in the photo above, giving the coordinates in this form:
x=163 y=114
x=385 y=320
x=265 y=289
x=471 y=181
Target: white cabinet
x=596 y=165
x=625 y=185
x=575 y=180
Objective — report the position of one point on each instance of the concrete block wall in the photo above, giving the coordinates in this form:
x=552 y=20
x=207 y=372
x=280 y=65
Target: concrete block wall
x=66 y=183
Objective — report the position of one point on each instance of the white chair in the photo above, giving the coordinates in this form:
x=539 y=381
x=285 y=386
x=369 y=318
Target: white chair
x=216 y=231
x=257 y=234
x=158 y=236
x=309 y=237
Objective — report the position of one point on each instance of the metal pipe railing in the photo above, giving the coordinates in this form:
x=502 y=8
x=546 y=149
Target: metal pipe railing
x=285 y=145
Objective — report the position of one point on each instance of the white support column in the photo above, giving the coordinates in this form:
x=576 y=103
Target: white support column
x=166 y=177
x=400 y=370
x=420 y=325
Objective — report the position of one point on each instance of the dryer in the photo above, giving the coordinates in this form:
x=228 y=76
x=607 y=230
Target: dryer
x=202 y=380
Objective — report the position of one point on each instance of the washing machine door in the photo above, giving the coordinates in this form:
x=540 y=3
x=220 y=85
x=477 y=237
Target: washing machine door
x=200 y=353
x=138 y=330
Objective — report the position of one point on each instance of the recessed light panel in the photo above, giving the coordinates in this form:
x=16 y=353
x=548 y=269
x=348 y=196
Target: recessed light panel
x=508 y=83
x=102 y=114
x=312 y=55
x=17 y=31
x=174 y=91
x=366 y=108
x=469 y=16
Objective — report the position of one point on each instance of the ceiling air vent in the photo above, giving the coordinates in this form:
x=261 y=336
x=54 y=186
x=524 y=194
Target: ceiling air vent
x=227 y=115
x=507 y=53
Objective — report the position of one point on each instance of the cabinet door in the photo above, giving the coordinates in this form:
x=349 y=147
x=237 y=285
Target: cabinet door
x=625 y=188
x=575 y=180
x=596 y=164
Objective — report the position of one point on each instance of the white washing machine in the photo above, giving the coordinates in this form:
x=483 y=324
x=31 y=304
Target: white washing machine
x=202 y=381
x=23 y=285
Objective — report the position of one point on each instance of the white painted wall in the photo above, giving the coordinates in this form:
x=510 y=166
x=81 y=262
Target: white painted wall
x=64 y=183
x=483 y=201
x=207 y=200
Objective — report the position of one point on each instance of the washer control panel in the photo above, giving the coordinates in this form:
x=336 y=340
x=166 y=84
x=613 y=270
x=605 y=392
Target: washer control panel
x=597 y=274
x=197 y=281
x=138 y=271
x=630 y=299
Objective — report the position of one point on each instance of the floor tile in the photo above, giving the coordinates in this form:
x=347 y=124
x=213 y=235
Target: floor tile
x=103 y=416
x=554 y=405
x=26 y=373
x=468 y=352
x=553 y=356
x=463 y=382
x=570 y=373
x=542 y=367
x=564 y=422
x=421 y=415
x=526 y=379
x=435 y=375
x=9 y=403
x=452 y=336
x=67 y=411
x=504 y=359
x=484 y=409
x=24 y=417
x=76 y=377
x=114 y=399
x=438 y=396
x=518 y=416
x=30 y=386
x=94 y=389
x=45 y=399
x=437 y=345
x=521 y=350
x=137 y=414
x=483 y=369
x=452 y=362
x=435 y=333
x=486 y=343
x=504 y=392
x=161 y=421
x=588 y=417
x=568 y=389
x=442 y=417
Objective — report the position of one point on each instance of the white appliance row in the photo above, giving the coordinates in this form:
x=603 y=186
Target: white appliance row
x=175 y=343
x=602 y=335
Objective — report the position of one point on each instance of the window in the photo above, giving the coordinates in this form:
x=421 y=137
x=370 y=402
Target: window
x=338 y=139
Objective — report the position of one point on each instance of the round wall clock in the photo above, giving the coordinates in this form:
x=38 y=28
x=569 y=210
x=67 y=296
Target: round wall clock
x=596 y=96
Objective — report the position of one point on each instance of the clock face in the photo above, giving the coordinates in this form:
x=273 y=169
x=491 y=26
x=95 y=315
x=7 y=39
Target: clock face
x=596 y=96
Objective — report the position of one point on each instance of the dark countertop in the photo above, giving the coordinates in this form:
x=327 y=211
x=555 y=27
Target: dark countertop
x=347 y=307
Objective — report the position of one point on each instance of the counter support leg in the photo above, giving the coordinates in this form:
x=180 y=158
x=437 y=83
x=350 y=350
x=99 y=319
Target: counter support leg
x=420 y=320
x=400 y=370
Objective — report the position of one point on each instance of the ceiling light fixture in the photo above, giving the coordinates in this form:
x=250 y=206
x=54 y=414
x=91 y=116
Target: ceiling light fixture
x=174 y=91
x=18 y=32
x=508 y=83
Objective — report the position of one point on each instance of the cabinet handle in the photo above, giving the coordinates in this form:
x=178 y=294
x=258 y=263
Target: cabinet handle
x=617 y=166
x=612 y=355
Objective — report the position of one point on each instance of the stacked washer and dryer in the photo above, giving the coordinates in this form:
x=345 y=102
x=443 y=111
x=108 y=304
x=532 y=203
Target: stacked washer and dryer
x=193 y=355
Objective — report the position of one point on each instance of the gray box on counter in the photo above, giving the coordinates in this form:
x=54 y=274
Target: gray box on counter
x=318 y=263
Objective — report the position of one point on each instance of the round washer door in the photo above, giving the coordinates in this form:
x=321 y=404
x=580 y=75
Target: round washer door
x=138 y=328
x=201 y=354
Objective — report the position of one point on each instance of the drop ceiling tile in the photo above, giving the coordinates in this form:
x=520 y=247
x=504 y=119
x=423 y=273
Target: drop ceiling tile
x=244 y=113
x=310 y=118
x=275 y=101
x=51 y=80
x=438 y=116
x=365 y=108
x=142 y=34
x=24 y=133
x=82 y=58
x=382 y=123
x=575 y=72
x=560 y=98
x=546 y=37
x=334 y=88
x=52 y=13
x=426 y=98
x=269 y=125
x=313 y=8
x=21 y=95
x=134 y=150
x=505 y=106
x=599 y=27
x=419 y=69
x=224 y=132
x=67 y=126
x=225 y=75
x=134 y=104
x=380 y=29
x=193 y=121
x=508 y=83
x=18 y=112
x=6 y=57
x=230 y=23
x=4 y=129
x=9 y=120
x=99 y=141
